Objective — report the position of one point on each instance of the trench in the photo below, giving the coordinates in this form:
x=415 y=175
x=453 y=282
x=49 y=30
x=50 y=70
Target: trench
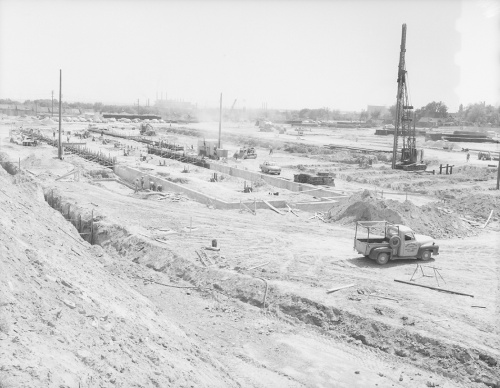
x=451 y=360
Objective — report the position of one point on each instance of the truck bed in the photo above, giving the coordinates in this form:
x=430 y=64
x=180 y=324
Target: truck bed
x=362 y=244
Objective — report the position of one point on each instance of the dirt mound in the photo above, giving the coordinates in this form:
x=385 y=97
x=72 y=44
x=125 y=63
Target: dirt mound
x=66 y=321
x=478 y=205
x=476 y=173
x=429 y=220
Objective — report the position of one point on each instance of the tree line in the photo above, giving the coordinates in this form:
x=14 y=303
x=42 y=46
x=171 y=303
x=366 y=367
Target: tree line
x=96 y=106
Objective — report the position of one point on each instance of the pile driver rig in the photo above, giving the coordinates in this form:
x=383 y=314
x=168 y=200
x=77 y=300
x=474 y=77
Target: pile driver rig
x=404 y=134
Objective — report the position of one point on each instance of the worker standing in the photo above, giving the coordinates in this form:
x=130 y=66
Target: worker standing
x=468 y=157
x=142 y=182
x=270 y=150
x=136 y=185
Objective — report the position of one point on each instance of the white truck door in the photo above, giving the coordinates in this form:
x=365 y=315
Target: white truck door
x=410 y=246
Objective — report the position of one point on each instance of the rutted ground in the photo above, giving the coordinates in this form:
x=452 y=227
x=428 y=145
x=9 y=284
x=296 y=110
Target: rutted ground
x=424 y=328
x=413 y=329
x=73 y=315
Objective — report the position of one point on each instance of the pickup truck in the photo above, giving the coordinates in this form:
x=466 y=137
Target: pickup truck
x=270 y=168
x=385 y=241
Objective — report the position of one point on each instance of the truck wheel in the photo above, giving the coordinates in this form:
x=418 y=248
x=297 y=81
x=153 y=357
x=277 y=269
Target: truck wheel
x=426 y=255
x=382 y=258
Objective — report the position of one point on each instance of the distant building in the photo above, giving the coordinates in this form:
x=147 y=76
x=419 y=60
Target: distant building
x=7 y=109
x=431 y=122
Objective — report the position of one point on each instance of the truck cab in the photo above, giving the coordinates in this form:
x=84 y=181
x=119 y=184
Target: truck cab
x=385 y=241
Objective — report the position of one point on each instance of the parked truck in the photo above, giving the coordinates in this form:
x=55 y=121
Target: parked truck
x=270 y=168
x=383 y=241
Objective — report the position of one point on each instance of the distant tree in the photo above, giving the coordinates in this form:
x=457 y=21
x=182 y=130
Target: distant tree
x=363 y=115
x=304 y=113
x=432 y=109
x=461 y=111
x=98 y=106
x=392 y=111
x=9 y=101
x=336 y=114
x=375 y=114
x=476 y=113
x=130 y=110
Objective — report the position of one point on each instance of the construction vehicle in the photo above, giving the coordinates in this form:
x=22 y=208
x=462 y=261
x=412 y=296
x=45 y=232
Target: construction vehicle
x=323 y=178
x=231 y=112
x=270 y=168
x=146 y=129
x=404 y=133
x=265 y=126
x=245 y=153
x=484 y=155
x=387 y=241
x=209 y=149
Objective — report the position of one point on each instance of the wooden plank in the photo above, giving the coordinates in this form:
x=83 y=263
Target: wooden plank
x=433 y=288
x=383 y=297
x=258 y=266
x=488 y=220
x=201 y=259
x=339 y=288
x=273 y=208
x=291 y=210
x=248 y=209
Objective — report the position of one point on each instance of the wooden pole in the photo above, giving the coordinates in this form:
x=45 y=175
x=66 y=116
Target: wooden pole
x=92 y=228
x=59 y=146
x=498 y=173
x=220 y=120
x=433 y=288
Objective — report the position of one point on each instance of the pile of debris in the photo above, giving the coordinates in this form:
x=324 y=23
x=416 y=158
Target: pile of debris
x=477 y=205
x=429 y=219
x=172 y=197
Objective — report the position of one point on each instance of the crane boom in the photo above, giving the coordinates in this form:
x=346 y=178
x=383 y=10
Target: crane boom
x=404 y=117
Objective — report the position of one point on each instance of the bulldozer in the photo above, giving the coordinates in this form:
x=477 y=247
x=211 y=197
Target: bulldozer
x=147 y=129
x=245 y=153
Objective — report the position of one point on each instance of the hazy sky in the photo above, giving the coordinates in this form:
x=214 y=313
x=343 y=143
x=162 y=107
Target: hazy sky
x=295 y=54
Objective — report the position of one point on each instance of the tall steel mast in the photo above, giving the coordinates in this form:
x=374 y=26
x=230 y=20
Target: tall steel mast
x=404 y=115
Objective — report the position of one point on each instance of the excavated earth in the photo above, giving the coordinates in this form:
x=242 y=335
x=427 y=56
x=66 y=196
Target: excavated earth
x=140 y=307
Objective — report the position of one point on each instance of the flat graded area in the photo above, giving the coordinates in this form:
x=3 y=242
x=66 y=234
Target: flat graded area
x=259 y=312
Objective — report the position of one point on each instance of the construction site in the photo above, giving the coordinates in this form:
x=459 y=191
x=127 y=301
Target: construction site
x=247 y=253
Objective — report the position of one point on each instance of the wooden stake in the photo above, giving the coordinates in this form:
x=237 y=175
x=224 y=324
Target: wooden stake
x=488 y=220
x=339 y=288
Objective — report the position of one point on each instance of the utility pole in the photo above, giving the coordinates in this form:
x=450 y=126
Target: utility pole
x=498 y=173
x=52 y=111
x=220 y=119
x=59 y=145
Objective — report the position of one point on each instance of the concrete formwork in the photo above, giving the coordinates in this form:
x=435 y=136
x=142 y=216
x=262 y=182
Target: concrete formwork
x=129 y=174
